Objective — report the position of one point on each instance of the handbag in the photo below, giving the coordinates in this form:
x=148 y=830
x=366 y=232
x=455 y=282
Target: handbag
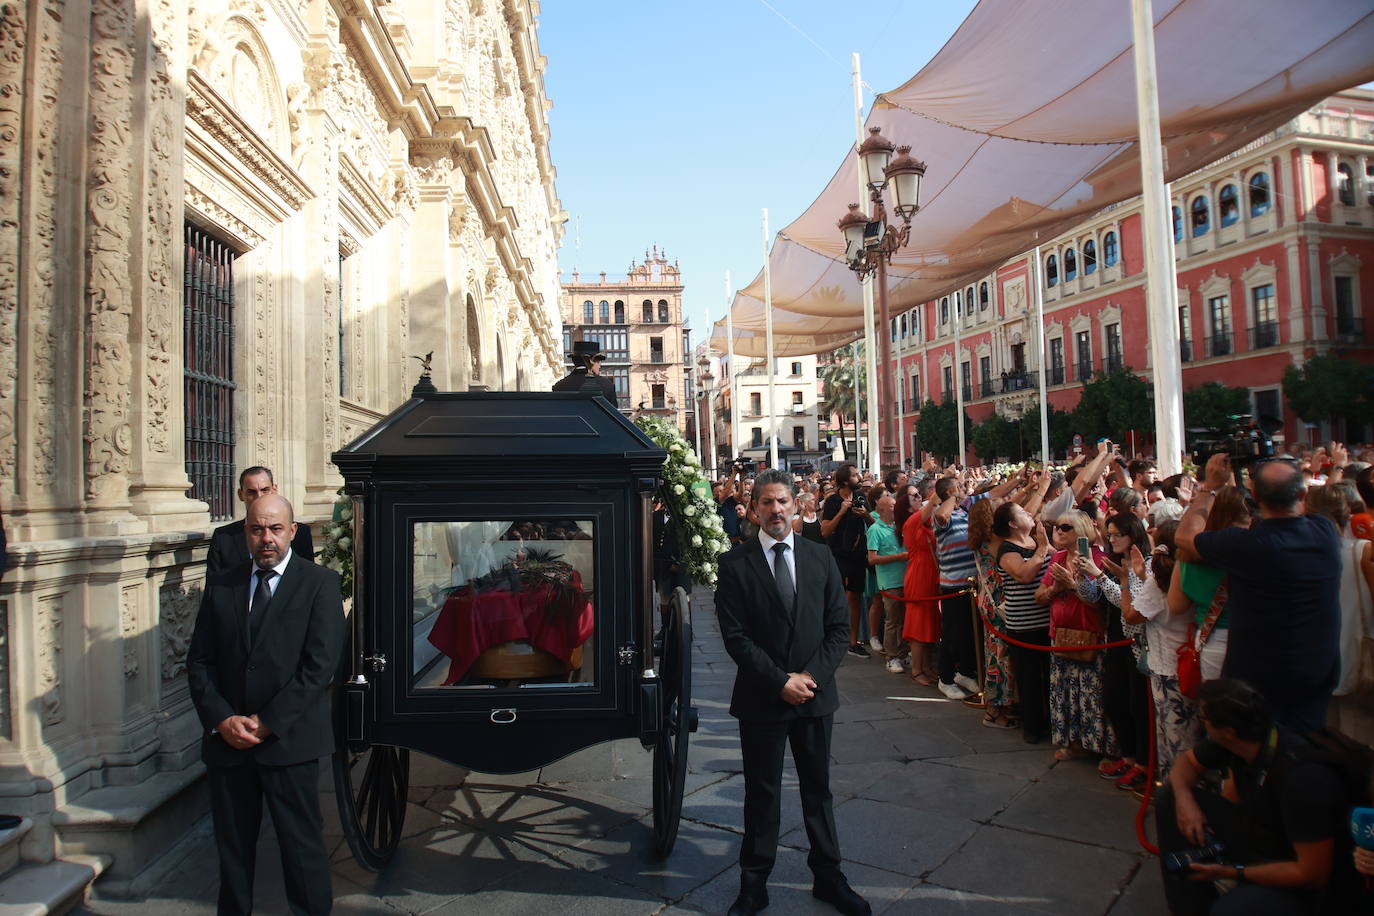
x=1066 y=639
x=1190 y=653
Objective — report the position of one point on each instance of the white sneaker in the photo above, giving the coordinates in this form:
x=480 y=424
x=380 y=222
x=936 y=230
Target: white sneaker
x=966 y=682
x=953 y=691
x=906 y=662
x=895 y=666
x=875 y=644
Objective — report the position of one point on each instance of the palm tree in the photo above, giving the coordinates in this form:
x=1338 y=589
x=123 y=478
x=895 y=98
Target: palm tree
x=838 y=399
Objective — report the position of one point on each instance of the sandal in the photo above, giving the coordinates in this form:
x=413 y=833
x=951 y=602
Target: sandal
x=998 y=721
x=923 y=680
x=1069 y=753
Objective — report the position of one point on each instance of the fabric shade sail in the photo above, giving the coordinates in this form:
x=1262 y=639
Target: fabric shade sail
x=1026 y=121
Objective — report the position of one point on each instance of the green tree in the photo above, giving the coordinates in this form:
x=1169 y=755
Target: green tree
x=997 y=437
x=937 y=429
x=1212 y=404
x=838 y=394
x=1112 y=404
x=1329 y=387
x=1061 y=430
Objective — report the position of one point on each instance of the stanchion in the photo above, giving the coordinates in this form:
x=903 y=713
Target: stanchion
x=980 y=699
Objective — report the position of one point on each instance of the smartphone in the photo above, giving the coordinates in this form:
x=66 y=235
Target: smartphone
x=1085 y=549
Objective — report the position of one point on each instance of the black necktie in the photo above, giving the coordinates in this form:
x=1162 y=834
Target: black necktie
x=262 y=595
x=783 y=576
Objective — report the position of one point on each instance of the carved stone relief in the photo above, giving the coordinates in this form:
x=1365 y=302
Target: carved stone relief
x=6 y=719
x=177 y=605
x=48 y=631
x=128 y=629
x=12 y=56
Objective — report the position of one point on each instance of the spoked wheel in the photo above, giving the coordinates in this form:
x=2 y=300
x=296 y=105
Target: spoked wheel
x=679 y=721
x=371 y=785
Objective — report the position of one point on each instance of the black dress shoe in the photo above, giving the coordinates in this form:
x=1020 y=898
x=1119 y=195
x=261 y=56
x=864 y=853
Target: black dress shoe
x=841 y=896
x=749 y=902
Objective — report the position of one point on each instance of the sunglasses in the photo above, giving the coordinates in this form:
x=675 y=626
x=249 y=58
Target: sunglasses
x=1064 y=528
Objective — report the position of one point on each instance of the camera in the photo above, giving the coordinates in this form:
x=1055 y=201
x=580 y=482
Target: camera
x=859 y=501
x=1240 y=439
x=1211 y=850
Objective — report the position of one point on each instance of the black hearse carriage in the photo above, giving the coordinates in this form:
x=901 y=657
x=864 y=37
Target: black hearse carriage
x=503 y=614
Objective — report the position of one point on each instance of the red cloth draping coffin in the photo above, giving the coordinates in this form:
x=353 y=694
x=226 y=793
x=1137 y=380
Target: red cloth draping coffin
x=470 y=623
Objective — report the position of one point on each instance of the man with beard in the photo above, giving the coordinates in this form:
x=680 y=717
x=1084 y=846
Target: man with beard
x=783 y=618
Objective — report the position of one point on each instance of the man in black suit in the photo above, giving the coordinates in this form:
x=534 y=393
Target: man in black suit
x=266 y=644
x=586 y=372
x=229 y=543
x=785 y=622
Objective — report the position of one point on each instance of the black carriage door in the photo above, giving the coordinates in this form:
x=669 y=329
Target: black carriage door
x=512 y=605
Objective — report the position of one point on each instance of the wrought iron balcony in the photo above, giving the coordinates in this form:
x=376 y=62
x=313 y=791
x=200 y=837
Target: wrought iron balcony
x=1349 y=328
x=1264 y=334
x=1218 y=344
x=1185 y=350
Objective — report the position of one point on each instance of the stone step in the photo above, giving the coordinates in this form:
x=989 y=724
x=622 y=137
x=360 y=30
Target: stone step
x=50 y=889
x=139 y=828
x=9 y=846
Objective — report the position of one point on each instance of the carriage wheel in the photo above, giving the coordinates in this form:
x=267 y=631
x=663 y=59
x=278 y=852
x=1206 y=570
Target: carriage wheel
x=679 y=721
x=370 y=785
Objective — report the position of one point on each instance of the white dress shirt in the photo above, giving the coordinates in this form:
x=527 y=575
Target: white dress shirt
x=789 y=553
x=272 y=583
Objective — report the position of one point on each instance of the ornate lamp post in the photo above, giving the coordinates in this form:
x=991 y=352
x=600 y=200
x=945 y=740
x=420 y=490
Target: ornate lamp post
x=706 y=390
x=870 y=245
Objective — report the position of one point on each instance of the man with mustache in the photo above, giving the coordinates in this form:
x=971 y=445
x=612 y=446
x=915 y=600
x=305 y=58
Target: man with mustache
x=784 y=620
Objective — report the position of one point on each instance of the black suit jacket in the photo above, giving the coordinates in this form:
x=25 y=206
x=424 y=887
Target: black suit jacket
x=283 y=677
x=767 y=640
x=229 y=547
x=581 y=380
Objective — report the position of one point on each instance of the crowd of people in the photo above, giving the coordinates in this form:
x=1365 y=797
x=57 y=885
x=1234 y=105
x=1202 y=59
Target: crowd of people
x=1140 y=623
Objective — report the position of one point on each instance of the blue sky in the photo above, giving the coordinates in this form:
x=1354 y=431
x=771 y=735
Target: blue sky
x=676 y=123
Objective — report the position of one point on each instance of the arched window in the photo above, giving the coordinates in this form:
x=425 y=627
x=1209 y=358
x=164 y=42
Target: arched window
x=1259 y=194
x=944 y=310
x=663 y=311
x=1201 y=217
x=1345 y=184
x=1070 y=265
x=968 y=301
x=619 y=311
x=1051 y=271
x=648 y=311
x=1089 y=257
x=1178 y=225
x=982 y=295
x=588 y=312
x=1109 y=251
x=1229 y=202
x=605 y=312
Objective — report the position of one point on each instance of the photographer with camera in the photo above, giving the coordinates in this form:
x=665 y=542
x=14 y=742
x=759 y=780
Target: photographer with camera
x=1275 y=825
x=1284 y=590
x=844 y=525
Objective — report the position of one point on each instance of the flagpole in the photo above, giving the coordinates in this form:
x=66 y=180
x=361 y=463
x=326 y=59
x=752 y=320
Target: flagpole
x=768 y=331
x=1038 y=282
x=870 y=348
x=730 y=368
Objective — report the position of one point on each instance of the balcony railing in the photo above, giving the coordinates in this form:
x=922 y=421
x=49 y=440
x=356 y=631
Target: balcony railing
x=1349 y=328
x=1264 y=334
x=986 y=388
x=968 y=393
x=1113 y=363
x=1185 y=350
x=656 y=356
x=1217 y=344
x=1056 y=375
x=1083 y=370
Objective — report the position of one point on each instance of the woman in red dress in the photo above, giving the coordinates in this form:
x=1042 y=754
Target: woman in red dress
x=921 y=628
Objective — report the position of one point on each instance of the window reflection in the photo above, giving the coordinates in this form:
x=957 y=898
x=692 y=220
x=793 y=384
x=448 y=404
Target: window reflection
x=503 y=604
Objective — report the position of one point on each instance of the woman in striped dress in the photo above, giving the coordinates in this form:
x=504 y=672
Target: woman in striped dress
x=1023 y=557
x=999 y=688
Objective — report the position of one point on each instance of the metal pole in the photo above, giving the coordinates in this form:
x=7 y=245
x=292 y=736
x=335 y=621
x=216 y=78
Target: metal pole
x=901 y=412
x=696 y=412
x=710 y=420
x=772 y=364
x=1039 y=285
x=874 y=453
x=858 y=405
x=883 y=399
x=959 y=376
x=1161 y=278
x=730 y=367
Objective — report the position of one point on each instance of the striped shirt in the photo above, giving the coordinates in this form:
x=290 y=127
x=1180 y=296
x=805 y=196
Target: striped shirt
x=1019 y=605
x=951 y=546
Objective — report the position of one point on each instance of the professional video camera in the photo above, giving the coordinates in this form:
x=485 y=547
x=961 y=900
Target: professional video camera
x=1241 y=438
x=1211 y=850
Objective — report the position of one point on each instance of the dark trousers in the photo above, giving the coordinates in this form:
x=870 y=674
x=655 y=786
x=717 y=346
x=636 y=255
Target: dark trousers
x=1125 y=699
x=762 y=745
x=957 y=654
x=1196 y=898
x=292 y=795
x=1031 y=668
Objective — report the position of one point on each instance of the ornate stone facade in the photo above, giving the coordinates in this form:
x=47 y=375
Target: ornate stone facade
x=380 y=172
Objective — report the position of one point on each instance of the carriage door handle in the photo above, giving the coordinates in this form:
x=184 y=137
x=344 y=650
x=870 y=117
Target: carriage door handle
x=503 y=716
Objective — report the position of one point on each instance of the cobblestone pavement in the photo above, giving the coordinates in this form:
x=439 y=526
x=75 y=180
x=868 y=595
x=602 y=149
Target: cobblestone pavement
x=936 y=815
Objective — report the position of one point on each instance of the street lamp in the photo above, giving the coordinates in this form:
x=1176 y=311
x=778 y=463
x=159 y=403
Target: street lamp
x=870 y=245
x=705 y=388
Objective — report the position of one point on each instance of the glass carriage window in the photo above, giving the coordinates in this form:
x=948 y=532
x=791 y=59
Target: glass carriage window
x=503 y=604
x=1229 y=201
x=1259 y=194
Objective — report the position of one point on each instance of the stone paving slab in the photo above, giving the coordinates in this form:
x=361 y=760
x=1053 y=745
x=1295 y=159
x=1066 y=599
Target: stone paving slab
x=936 y=814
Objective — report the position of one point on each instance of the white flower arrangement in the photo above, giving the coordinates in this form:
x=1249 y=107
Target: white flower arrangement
x=701 y=537
x=337 y=551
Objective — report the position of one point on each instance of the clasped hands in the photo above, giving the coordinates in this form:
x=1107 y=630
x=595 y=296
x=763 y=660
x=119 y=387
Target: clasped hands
x=242 y=732
x=799 y=688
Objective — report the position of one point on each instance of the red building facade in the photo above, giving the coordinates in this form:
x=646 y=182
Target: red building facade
x=1270 y=245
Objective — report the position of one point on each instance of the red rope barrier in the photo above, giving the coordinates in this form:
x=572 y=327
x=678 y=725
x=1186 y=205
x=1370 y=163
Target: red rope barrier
x=905 y=600
x=1030 y=645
